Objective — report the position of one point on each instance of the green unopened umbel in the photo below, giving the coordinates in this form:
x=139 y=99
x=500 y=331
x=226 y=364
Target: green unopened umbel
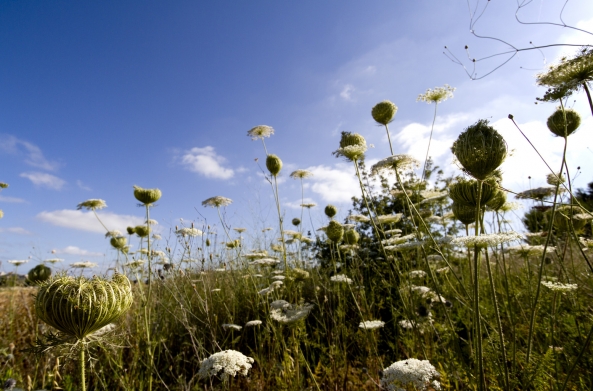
x=39 y=274
x=559 y=126
x=351 y=236
x=383 y=112
x=118 y=242
x=330 y=211
x=274 y=164
x=147 y=196
x=349 y=139
x=499 y=199
x=480 y=149
x=78 y=306
x=465 y=192
x=465 y=214
x=142 y=230
x=334 y=231
x=296 y=221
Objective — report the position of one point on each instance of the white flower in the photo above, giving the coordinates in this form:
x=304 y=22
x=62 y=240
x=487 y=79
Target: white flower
x=113 y=234
x=265 y=262
x=352 y=152
x=371 y=324
x=17 y=262
x=230 y=362
x=487 y=239
x=389 y=219
x=284 y=312
x=301 y=174
x=278 y=278
x=92 y=204
x=186 y=231
x=256 y=254
x=417 y=274
x=341 y=278
x=439 y=94
x=82 y=265
x=240 y=230
x=309 y=205
x=135 y=263
x=221 y=269
x=252 y=323
x=395 y=162
x=411 y=372
x=393 y=231
x=260 y=131
x=358 y=218
x=216 y=290
x=216 y=202
x=54 y=260
x=231 y=326
x=559 y=287
x=405 y=246
x=526 y=250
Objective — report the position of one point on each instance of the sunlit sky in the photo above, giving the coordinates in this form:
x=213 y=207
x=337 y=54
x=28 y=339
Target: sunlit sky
x=96 y=97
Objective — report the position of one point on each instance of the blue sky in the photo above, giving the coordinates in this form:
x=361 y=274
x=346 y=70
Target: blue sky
x=97 y=97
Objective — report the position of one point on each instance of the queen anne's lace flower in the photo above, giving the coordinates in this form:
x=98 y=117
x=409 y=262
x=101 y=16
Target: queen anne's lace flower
x=352 y=152
x=284 y=312
x=186 y=231
x=216 y=202
x=341 y=278
x=439 y=94
x=559 y=287
x=358 y=218
x=252 y=323
x=395 y=162
x=82 y=265
x=18 y=262
x=371 y=324
x=260 y=131
x=231 y=326
x=301 y=174
x=487 y=239
x=389 y=219
x=92 y=204
x=230 y=362
x=417 y=274
x=411 y=372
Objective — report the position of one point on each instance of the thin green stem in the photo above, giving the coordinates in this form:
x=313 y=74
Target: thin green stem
x=82 y=370
x=436 y=104
x=389 y=138
x=477 y=317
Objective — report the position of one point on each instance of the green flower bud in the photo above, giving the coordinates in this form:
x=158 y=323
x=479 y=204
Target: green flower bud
x=207 y=242
x=330 y=211
x=348 y=139
x=3 y=185
x=131 y=230
x=118 y=242
x=351 y=236
x=274 y=164
x=80 y=306
x=497 y=201
x=556 y=122
x=480 y=149
x=383 y=112
x=465 y=192
x=147 y=196
x=334 y=231
x=142 y=231
x=39 y=274
x=465 y=214
x=296 y=221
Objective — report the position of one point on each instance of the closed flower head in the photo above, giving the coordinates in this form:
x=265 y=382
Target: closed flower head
x=383 y=112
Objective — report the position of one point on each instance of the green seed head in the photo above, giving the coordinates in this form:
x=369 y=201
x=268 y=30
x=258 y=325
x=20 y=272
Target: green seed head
x=118 y=242
x=142 y=231
x=131 y=230
x=334 y=231
x=147 y=196
x=465 y=214
x=562 y=128
x=3 y=185
x=330 y=211
x=349 y=139
x=296 y=222
x=480 y=149
x=465 y=192
x=274 y=164
x=207 y=242
x=351 y=236
x=383 y=112
x=80 y=306
x=39 y=274
x=497 y=201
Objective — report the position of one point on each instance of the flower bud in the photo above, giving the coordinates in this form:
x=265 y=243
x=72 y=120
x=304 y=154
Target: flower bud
x=465 y=192
x=296 y=221
x=39 y=274
x=465 y=214
x=274 y=164
x=330 y=211
x=383 y=112
x=334 y=231
x=480 y=149
x=131 y=230
x=556 y=122
x=142 y=231
x=349 y=139
x=147 y=196
x=118 y=242
x=351 y=236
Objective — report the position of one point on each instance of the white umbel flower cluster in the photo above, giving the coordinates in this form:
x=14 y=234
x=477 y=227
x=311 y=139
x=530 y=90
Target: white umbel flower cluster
x=395 y=162
x=418 y=373
x=487 y=240
x=341 y=278
x=371 y=324
x=230 y=362
x=284 y=312
x=186 y=231
x=559 y=287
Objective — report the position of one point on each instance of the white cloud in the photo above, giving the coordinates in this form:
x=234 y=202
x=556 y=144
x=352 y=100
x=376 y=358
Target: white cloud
x=206 y=162
x=86 y=221
x=45 y=180
x=11 y=199
x=73 y=250
x=297 y=204
x=16 y=230
x=334 y=184
x=34 y=155
x=82 y=185
x=346 y=93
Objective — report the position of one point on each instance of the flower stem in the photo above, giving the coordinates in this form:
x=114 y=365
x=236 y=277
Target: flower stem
x=436 y=104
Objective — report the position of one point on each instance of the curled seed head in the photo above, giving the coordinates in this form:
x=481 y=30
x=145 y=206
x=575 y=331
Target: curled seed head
x=559 y=126
x=351 y=236
x=383 y=112
x=330 y=211
x=147 y=196
x=334 y=231
x=274 y=164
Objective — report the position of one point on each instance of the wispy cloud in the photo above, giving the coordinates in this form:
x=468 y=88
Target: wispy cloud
x=44 y=180
x=346 y=92
x=14 y=200
x=73 y=250
x=206 y=162
x=34 y=155
x=16 y=230
x=86 y=221
x=297 y=204
x=82 y=185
